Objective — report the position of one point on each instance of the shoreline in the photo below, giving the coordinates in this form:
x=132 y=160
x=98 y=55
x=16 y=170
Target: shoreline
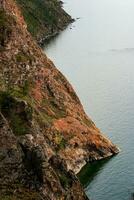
x=46 y=38
x=108 y=156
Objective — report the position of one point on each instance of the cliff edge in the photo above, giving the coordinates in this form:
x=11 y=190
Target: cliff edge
x=45 y=135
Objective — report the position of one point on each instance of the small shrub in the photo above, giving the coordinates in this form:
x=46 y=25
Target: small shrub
x=60 y=142
x=22 y=57
x=26 y=88
x=18 y=125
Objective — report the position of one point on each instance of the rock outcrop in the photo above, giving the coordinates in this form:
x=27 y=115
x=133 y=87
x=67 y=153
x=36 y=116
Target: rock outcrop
x=45 y=135
x=44 y=18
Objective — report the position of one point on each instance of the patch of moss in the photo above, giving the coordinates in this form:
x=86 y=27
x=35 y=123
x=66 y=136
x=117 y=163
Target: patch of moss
x=20 y=92
x=48 y=112
x=43 y=118
x=19 y=193
x=23 y=57
x=59 y=141
x=26 y=88
x=62 y=144
x=6 y=198
x=19 y=126
x=52 y=104
x=88 y=122
x=17 y=115
x=16 y=92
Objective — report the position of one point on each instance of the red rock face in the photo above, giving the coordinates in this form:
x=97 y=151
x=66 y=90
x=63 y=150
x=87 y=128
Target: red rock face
x=41 y=108
x=23 y=62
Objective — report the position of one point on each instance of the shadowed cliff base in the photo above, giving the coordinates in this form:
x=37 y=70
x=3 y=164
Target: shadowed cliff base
x=46 y=137
x=89 y=171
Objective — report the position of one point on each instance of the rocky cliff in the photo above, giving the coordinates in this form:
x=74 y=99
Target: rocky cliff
x=44 y=18
x=45 y=135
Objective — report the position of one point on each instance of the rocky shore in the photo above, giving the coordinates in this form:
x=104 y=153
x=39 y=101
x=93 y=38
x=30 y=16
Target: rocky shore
x=46 y=137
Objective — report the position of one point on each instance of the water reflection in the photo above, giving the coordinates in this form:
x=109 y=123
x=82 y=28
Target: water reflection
x=90 y=171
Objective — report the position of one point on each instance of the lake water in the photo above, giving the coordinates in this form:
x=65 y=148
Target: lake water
x=96 y=53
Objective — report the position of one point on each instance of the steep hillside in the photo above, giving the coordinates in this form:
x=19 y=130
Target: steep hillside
x=44 y=18
x=45 y=135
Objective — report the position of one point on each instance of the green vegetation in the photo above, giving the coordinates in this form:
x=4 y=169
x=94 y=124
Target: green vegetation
x=26 y=88
x=18 y=192
x=59 y=141
x=88 y=122
x=43 y=118
x=62 y=144
x=22 y=57
x=52 y=104
x=7 y=197
x=19 y=126
x=20 y=92
x=65 y=180
x=16 y=113
x=43 y=17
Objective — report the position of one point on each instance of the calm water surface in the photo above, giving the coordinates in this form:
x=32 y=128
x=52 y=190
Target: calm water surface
x=96 y=54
